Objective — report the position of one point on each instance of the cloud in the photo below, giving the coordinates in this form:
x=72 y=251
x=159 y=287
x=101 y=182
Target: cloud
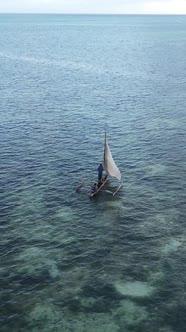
x=95 y=6
x=165 y=7
x=70 y=6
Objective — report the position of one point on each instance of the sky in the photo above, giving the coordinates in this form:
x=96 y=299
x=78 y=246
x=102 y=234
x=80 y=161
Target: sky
x=94 y=6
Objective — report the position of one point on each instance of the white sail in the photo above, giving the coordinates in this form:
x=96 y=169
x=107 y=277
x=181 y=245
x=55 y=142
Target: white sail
x=109 y=164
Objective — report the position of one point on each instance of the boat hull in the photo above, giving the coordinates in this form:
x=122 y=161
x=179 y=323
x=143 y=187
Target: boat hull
x=99 y=189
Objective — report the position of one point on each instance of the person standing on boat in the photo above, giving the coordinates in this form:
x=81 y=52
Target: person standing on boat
x=100 y=173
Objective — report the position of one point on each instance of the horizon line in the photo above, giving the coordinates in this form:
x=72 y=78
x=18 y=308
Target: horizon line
x=109 y=14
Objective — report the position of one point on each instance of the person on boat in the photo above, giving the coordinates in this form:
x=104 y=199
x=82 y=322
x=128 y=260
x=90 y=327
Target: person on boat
x=104 y=177
x=94 y=188
x=100 y=172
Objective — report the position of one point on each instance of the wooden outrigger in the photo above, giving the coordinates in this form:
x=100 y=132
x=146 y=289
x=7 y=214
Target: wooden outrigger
x=119 y=187
x=80 y=185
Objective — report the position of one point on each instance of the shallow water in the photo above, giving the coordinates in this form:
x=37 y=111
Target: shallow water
x=69 y=263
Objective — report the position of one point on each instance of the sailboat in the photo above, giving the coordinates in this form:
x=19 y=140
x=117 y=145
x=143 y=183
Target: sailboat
x=110 y=168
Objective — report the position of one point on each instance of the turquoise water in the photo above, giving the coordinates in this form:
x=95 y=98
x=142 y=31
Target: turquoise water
x=68 y=263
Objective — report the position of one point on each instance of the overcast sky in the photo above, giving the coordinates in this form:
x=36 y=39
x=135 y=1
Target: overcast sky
x=94 y=6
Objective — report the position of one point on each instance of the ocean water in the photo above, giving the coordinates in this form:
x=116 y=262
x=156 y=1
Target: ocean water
x=110 y=264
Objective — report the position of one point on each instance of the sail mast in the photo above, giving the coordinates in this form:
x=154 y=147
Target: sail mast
x=104 y=157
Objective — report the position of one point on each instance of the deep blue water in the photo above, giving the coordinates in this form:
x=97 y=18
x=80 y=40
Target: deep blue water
x=109 y=264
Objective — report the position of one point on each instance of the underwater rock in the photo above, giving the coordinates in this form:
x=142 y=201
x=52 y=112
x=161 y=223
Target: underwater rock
x=130 y=315
x=96 y=323
x=138 y=289
x=34 y=261
x=47 y=318
x=156 y=278
x=166 y=329
x=88 y=303
x=98 y=305
x=172 y=246
x=113 y=204
x=155 y=170
x=42 y=312
x=67 y=214
x=98 y=296
x=99 y=288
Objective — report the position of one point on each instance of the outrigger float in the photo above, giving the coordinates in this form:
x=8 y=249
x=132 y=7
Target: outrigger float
x=111 y=170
